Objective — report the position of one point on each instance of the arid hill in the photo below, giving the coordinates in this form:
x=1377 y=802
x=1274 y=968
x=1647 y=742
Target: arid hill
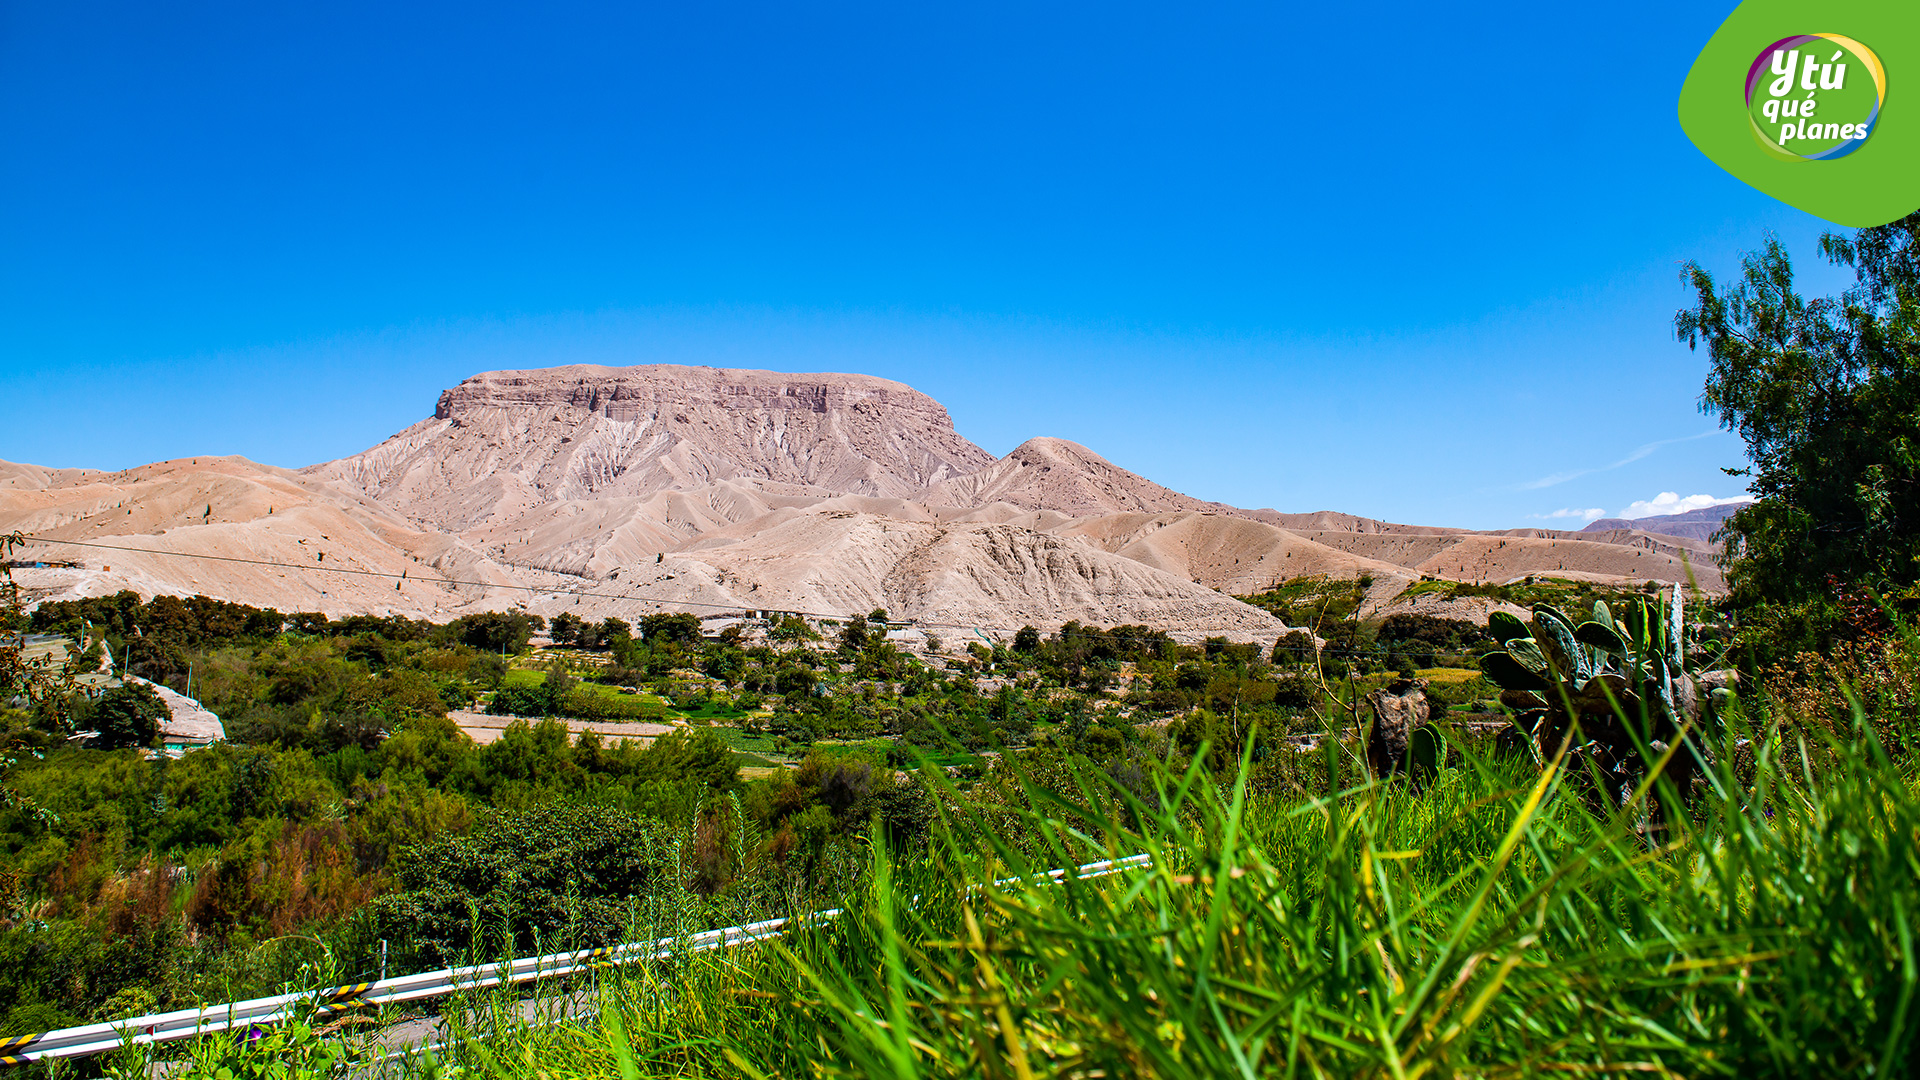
x=620 y=491
x=242 y=513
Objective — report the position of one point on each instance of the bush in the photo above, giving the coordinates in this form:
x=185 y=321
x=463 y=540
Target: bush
x=521 y=701
x=591 y=703
x=1491 y=924
x=128 y=715
x=559 y=875
x=792 y=628
x=1432 y=631
x=1295 y=692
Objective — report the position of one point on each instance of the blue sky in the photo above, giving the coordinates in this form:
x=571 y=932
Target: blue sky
x=1411 y=261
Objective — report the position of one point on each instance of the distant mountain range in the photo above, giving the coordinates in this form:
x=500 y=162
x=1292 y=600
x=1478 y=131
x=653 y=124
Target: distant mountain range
x=1694 y=524
x=619 y=491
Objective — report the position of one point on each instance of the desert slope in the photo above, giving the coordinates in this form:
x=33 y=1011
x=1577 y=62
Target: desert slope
x=960 y=575
x=1062 y=476
x=342 y=553
x=1232 y=554
x=235 y=509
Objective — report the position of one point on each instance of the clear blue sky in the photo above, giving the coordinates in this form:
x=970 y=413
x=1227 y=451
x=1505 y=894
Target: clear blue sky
x=1412 y=261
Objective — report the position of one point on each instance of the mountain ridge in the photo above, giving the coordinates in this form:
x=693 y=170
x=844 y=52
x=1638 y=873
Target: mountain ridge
x=561 y=488
x=1698 y=524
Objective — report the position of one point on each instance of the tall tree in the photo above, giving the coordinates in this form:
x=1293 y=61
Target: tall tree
x=128 y=715
x=1826 y=394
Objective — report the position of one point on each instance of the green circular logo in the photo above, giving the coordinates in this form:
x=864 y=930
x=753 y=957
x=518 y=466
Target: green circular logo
x=1814 y=97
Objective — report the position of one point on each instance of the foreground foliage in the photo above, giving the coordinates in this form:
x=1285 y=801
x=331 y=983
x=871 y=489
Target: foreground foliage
x=1490 y=925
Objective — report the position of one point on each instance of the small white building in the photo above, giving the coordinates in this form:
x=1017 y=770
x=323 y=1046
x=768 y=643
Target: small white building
x=189 y=724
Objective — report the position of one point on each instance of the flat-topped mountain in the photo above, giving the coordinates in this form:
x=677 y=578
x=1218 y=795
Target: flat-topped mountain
x=506 y=442
x=621 y=491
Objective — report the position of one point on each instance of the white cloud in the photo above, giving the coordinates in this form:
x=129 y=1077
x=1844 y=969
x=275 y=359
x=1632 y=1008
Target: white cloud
x=1670 y=502
x=1573 y=512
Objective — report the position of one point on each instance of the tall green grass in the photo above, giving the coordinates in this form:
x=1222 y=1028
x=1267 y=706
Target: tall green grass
x=1491 y=924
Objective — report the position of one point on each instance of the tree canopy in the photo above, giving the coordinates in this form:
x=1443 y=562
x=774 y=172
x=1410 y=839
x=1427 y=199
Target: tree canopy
x=128 y=715
x=1825 y=393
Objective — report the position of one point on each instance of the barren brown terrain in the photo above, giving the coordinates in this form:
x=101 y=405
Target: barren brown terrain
x=621 y=491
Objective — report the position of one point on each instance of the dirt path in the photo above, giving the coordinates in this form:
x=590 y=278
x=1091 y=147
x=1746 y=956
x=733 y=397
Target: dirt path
x=485 y=729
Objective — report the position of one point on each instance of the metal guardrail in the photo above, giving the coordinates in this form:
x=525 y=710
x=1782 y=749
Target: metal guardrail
x=259 y=1012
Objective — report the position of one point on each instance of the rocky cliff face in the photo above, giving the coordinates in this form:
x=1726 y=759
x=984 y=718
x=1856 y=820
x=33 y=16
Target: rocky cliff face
x=506 y=442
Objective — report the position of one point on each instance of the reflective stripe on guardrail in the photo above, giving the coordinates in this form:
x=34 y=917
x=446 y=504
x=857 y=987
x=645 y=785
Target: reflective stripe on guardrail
x=186 y=1023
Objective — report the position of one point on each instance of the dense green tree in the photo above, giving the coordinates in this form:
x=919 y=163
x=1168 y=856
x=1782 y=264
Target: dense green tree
x=495 y=631
x=1293 y=647
x=128 y=715
x=565 y=628
x=795 y=681
x=1826 y=395
x=680 y=628
x=726 y=663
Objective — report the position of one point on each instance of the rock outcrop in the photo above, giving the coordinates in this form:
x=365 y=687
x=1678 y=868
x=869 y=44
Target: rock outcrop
x=1399 y=710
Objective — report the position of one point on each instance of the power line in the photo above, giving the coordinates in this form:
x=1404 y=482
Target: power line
x=448 y=582
x=387 y=574
x=1301 y=650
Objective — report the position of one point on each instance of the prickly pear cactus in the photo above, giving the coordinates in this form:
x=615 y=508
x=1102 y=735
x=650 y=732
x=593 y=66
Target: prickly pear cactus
x=1426 y=754
x=1616 y=686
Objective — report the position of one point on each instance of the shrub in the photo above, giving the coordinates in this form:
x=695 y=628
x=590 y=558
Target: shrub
x=521 y=701
x=128 y=715
x=558 y=874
